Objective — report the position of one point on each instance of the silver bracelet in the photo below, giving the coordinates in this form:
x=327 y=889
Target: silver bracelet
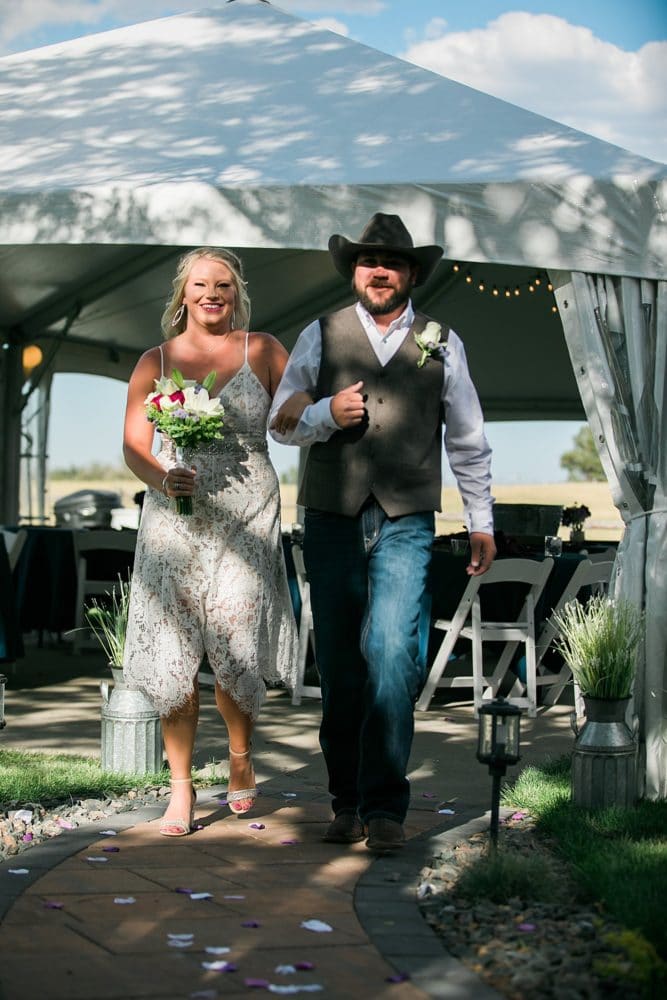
x=164 y=485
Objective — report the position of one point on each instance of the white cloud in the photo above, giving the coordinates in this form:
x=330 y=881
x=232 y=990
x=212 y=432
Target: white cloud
x=560 y=70
x=331 y=24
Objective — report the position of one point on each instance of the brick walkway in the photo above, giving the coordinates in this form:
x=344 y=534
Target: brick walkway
x=92 y=946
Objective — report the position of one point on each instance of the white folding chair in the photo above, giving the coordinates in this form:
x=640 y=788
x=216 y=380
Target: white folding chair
x=534 y=575
x=588 y=573
x=14 y=542
x=87 y=542
x=306 y=632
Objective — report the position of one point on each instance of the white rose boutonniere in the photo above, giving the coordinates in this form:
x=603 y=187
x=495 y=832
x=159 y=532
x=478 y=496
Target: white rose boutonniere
x=429 y=341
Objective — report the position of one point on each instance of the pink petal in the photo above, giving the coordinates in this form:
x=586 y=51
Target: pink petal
x=65 y=824
x=26 y=838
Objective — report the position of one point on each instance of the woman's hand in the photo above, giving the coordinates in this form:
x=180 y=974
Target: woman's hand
x=289 y=414
x=179 y=482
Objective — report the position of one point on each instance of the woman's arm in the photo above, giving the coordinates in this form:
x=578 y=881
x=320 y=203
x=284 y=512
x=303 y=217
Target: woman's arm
x=138 y=433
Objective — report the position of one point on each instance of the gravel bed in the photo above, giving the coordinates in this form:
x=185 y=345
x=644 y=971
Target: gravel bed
x=552 y=948
x=25 y=824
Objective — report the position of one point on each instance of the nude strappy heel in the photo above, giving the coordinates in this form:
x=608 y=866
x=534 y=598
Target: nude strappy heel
x=179 y=827
x=245 y=793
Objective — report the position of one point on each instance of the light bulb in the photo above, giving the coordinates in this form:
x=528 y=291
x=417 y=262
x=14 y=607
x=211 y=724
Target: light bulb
x=469 y=278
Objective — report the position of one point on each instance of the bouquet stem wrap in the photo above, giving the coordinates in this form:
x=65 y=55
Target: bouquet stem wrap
x=184 y=505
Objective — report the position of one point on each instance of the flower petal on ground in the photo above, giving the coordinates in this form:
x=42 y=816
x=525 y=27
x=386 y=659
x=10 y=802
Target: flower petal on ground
x=18 y=871
x=257 y=826
x=316 y=925
x=52 y=904
x=213 y=950
x=124 y=900
x=201 y=895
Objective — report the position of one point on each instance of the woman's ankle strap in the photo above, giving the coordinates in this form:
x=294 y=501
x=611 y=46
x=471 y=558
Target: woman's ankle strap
x=243 y=753
x=179 y=781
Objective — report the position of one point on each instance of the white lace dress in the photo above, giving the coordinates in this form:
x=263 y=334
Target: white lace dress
x=214 y=582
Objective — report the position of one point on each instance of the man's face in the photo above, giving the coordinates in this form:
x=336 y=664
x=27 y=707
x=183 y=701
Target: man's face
x=382 y=281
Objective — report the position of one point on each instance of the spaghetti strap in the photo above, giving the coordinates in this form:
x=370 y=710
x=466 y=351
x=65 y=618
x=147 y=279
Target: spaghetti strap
x=247 y=334
x=161 y=362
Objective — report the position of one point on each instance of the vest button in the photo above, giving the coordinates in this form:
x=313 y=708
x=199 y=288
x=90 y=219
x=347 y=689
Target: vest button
x=380 y=400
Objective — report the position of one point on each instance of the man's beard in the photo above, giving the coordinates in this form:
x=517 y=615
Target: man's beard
x=398 y=298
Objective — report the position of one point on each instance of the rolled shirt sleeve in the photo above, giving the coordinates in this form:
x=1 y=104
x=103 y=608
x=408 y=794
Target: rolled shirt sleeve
x=300 y=375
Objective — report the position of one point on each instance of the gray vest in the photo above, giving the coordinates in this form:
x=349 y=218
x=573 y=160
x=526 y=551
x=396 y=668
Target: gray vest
x=395 y=455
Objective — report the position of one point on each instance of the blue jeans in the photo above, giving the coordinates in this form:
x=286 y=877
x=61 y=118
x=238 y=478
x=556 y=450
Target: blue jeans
x=368 y=584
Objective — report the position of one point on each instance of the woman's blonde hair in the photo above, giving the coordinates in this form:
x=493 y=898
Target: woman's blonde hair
x=241 y=319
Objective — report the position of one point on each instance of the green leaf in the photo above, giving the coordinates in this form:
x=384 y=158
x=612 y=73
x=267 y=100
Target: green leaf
x=178 y=379
x=209 y=381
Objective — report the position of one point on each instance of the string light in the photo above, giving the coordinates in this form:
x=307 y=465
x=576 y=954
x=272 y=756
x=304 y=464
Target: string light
x=532 y=285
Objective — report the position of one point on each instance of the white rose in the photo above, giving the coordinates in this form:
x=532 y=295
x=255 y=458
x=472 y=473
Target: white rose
x=430 y=335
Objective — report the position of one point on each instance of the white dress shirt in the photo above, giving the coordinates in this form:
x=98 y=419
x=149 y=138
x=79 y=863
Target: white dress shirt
x=468 y=451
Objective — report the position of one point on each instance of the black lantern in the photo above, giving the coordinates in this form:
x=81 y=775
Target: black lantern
x=498 y=746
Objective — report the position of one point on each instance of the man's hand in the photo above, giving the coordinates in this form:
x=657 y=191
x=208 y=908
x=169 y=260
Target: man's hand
x=347 y=406
x=482 y=553
x=289 y=414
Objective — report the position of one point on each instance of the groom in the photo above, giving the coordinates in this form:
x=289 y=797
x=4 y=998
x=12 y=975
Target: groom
x=384 y=379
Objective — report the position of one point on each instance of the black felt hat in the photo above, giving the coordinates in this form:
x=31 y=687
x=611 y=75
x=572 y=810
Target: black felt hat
x=387 y=233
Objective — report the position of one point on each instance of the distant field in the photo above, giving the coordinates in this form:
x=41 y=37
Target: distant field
x=604 y=523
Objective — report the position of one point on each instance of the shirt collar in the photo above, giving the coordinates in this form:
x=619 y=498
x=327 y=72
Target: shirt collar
x=402 y=322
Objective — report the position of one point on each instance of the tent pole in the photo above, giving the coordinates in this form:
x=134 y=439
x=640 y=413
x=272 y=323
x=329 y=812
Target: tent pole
x=11 y=381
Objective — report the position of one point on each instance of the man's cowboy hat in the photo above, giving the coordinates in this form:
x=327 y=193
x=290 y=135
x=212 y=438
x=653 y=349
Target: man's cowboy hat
x=387 y=233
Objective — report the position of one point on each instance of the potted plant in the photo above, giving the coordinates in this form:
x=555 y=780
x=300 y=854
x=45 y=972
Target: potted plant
x=108 y=622
x=131 y=736
x=573 y=518
x=599 y=642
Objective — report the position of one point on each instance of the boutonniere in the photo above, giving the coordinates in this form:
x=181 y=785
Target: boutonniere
x=429 y=341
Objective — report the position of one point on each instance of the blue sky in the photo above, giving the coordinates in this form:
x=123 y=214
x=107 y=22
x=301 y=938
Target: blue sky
x=600 y=66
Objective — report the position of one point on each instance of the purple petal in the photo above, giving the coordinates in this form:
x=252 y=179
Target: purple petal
x=51 y=904
x=260 y=984
x=304 y=966
x=257 y=826
x=428 y=795
x=187 y=892
x=251 y=923
x=527 y=928
x=289 y=842
x=111 y=850
x=26 y=838
x=400 y=977
x=222 y=802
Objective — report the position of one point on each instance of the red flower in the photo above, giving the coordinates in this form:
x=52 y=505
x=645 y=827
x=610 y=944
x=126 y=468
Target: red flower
x=178 y=396
x=156 y=401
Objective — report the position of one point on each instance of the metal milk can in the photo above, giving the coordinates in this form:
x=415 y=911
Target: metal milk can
x=131 y=735
x=604 y=761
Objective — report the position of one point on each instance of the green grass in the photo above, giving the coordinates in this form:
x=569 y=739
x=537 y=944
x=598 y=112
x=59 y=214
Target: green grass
x=618 y=856
x=53 y=778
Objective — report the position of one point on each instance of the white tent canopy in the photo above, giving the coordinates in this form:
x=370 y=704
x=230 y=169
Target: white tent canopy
x=246 y=127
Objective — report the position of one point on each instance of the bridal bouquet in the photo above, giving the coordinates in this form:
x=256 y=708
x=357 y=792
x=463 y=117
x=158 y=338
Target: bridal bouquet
x=183 y=411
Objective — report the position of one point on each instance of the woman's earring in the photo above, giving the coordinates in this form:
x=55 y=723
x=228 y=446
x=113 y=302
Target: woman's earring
x=178 y=315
